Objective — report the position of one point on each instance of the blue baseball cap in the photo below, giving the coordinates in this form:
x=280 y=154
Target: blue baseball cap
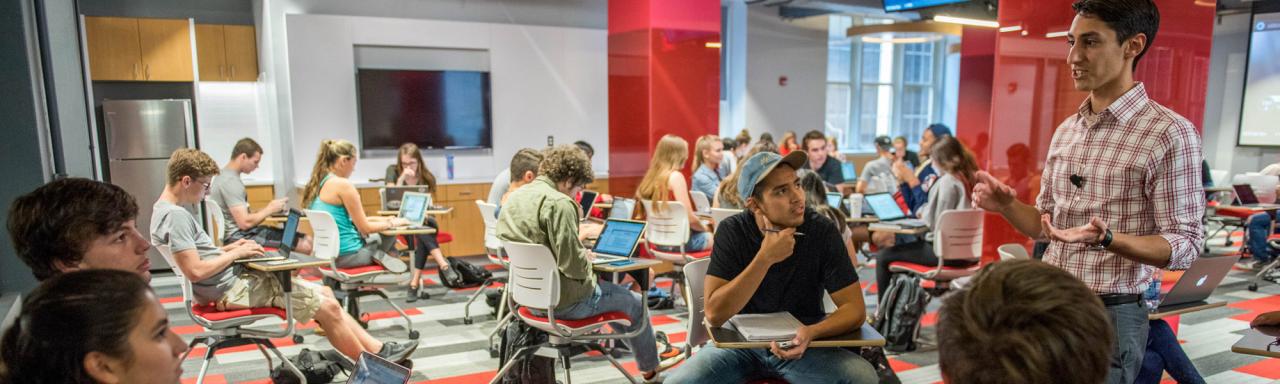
x=758 y=166
x=939 y=130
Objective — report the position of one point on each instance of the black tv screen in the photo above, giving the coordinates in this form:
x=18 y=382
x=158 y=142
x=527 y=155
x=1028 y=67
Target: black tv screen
x=433 y=109
x=908 y=5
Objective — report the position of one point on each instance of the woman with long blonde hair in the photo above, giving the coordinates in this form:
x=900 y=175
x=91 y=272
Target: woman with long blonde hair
x=664 y=182
x=410 y=169
x=330 y=191
x=707 y=156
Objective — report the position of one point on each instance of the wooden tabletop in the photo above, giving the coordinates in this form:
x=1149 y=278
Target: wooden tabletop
x=898 y=230
x=862 y=220
x=444 y=211
x=863 y=337
x=602 y=205
x=1227 y=188
x=1179 y=309
x=295 y=261
x=1257 y=342
x=408 y=231
x=636 y=263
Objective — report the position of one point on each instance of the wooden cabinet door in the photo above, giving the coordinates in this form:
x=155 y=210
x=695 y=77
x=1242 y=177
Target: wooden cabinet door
x=210 y=52
x=114 y=51
x=241 y=52
x=166 y=49
x=468 y=230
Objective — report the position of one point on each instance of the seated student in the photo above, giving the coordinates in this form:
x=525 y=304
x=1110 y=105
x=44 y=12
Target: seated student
x=596 y=212
x=727 y=194
x=74 y=224
x=957 y=166
x=544 y=212
x=410 y=169
x=1023 y=321
x=663 y=182
x=915 y=183
x=330 y=191
x=900 y=152
x=1259 y=227
x=523 y=168
x=1163 y=351
x=730 y=161
x=820 y=160
x=788 y=143
x=229 y=192
x=217 y=279
x=708 y=154
x=761 y=264
x=815 y=196
x=877 y=175
x=91 y=326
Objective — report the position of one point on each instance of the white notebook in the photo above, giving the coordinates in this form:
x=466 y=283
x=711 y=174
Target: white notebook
x=766 y=326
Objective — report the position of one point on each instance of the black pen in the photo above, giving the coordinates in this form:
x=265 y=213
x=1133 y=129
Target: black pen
x=779 y=230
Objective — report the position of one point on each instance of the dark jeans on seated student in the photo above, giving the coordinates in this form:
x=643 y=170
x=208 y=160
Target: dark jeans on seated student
x=1259 y=228
x=918 y=252
x=610 y=297
x=1164 y=354
x=423 y=244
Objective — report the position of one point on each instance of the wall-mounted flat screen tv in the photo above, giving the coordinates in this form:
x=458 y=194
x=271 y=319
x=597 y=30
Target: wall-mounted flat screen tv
x=911 y=5
x=433 y=109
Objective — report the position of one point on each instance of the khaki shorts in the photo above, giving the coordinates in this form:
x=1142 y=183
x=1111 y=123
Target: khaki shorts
x=260 y=289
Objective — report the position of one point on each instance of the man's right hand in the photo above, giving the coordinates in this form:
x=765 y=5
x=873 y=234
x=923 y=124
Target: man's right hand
x=990 y=194
x=902 y=171
x=276 y=205
x=777 y=246
x=246 y=249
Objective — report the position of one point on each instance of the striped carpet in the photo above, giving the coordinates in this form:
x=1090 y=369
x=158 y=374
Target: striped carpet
x=454 y=352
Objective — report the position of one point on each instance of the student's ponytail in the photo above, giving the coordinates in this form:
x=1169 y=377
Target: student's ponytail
x=330 y=152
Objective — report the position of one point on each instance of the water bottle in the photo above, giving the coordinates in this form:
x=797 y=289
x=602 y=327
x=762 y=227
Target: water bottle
x=1152 y=296
x=449 y=163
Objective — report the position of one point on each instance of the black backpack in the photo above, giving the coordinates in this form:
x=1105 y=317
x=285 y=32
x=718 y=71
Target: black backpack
x=472 y=276
x=529 y=368
x=318 y=367
x=899 y=312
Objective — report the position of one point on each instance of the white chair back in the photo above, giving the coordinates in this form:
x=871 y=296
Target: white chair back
x=534 y=278
x=216 y=222
x=694 y=277
x=719 y=214
x=1013 y=251
x=490 y=224
x=187 y=294
x=324 y=238
x=623 y=208
x=958 y=235
x=1219 y=177
x=667 y=227
x=700 y=201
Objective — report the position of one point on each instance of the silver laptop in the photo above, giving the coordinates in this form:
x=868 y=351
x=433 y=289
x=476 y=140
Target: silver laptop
x=617 y=240
x=371 y=369
x=1198 y=282
x=413 y=207
x=887 y=210
x=391 y=196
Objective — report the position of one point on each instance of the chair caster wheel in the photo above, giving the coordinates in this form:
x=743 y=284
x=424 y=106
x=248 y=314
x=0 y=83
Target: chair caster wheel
x=493 y=353
x=413 y=335
x=467 y=321
x=1253 y=287
x=297 y=339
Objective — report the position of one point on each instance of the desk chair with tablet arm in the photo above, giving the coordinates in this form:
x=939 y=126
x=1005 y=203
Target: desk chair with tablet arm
x=669 y=227
x=958 y=236
x=356 y=282
x=497 y=255
x=216 y=221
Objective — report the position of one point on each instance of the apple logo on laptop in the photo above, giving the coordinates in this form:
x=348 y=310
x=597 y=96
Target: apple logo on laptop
x=1201 y=281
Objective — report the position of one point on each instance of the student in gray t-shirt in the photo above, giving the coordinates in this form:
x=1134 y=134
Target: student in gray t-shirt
x=229 y=192
x=877 y=175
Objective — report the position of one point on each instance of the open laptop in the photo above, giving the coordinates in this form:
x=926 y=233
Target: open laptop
x=622 y=208
x=887 y=210
x=835 y=200
x=371 y=369
x=850 y=174
x=413 y=207
x=1244 y=193
x=618 y=240
x=587 y=200
x=1197 y=283
x=391 y=196
x=287 y=240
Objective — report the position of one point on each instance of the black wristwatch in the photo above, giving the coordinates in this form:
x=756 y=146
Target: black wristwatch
x=1106 y=239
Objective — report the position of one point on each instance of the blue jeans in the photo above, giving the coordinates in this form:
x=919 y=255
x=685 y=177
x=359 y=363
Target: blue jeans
x=1259 y=227
x=1165 y=354
x=1130 y=324
x=698 y=241
x=818 y=365
x=610 y=297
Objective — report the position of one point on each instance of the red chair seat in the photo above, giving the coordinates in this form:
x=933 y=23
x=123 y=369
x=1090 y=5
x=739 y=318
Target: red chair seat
x=695 y=255
x=443 y=237
x=921 y=268
x=355 y=271
x=210 y=312
x=1239 y=213
x=602 y=318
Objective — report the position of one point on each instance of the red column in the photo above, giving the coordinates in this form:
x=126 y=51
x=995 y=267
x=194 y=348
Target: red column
x=664 y=78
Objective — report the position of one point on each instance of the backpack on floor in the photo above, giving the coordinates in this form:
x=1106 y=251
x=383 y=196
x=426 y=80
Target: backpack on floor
x=899 y=312
x=465 y=274
x=471 y=273
x=317 y=367
x=528 y=368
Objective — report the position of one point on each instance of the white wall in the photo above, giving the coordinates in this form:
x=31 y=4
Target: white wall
x=1223 y=101
x=776 y=48
x=228 y=112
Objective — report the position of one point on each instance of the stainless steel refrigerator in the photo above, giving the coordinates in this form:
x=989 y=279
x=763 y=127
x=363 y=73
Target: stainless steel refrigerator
x=140 y=135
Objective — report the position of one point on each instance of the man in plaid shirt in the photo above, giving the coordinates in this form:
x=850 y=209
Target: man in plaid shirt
x=1121 y=193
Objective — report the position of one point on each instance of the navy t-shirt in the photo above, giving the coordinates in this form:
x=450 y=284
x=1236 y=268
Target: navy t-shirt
x=819 y=261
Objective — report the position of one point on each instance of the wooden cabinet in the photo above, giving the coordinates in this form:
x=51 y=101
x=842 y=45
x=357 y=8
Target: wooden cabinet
x=259 y=196
x=464 y=223
x=227 y=52
x=130 y=49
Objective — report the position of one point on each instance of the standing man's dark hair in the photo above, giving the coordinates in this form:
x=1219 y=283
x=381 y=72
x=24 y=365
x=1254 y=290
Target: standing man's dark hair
x=246 y=147
x=1128 y=18
x=54 y=226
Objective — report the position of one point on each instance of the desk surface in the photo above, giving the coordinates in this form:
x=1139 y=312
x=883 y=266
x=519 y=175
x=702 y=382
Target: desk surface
x=899 y=230
x=862 y=220
x=637 y=263
x=864 y=337
x=408 y=231
x=1220 y=189
x=299 y=261
x=602 y=205
x=444 y=211
x=1180 y=309
x=1256 y=343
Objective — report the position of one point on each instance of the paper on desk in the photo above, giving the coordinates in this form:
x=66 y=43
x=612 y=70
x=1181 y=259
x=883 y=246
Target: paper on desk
x=766 y=326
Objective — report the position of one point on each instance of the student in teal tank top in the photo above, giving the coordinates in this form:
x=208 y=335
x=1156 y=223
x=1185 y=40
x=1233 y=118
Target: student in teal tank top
x=330 y=191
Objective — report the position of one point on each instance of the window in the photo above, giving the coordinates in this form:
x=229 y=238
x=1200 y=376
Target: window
x=877 y=86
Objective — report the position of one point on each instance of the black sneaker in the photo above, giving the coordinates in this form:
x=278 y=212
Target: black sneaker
x=413 y=294
x=395 y=351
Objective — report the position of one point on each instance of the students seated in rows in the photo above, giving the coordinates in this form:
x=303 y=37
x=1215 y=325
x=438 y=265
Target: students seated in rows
x=877 y=175
x=708 y=154
x=330 y=191
x=217 y=279
x=761 y=264
x=820 y=160
x=957 y=166
x=727 y=196
x=1023 y=321
x=228 y=191
x=410 y=169
x=74 y=224
x=545 y=213
x=664 y=182
x=91 y=326
x=815 y=197
x=915 y=182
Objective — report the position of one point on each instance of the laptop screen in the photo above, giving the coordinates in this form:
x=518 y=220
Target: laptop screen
x=619 y=237
x=885 y=207
x=622 y=208
x=393 y=195
x=850 y=174
x=290 y=229
x=586 y=201
x=371 y=369
x=1244 y=192
x=833 y=200
x=413 y=206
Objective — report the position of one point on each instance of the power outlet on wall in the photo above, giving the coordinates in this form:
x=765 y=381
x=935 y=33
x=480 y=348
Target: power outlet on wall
x=551 y=141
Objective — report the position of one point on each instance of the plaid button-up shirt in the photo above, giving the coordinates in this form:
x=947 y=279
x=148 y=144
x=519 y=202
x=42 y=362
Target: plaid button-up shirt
x=1140 y=164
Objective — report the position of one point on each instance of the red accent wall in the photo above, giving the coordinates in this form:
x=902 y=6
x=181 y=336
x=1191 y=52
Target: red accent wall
x=1031 y=91
x=663 y=79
